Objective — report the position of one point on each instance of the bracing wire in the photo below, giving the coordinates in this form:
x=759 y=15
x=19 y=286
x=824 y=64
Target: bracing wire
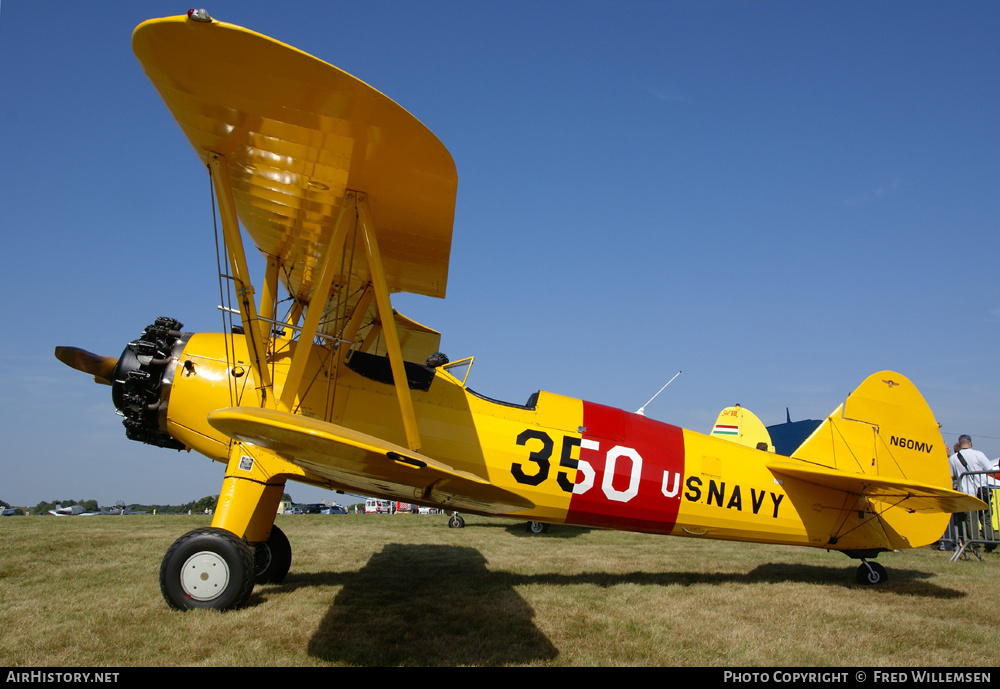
x=225 y=295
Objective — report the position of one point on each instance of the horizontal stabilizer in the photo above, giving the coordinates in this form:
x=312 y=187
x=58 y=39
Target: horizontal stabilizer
x=368 y=463
x=910 y=495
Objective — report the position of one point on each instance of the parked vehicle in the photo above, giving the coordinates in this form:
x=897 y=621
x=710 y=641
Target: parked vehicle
x=376 y=506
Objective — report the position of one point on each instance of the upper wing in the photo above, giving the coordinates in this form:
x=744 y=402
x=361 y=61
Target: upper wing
x=364 y=462
x=297 y=133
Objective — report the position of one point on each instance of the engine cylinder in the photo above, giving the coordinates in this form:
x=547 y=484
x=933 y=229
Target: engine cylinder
x=141 y=387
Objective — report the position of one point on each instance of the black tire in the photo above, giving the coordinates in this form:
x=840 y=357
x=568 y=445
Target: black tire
x=871 y=573
x=272 y=558
x=207 y=568
x=537 y=527
x=456 y=522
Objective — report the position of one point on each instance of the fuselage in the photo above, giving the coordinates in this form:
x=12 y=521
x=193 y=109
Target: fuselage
x=578 y=462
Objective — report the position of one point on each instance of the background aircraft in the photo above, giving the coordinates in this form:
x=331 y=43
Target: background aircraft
x=72 y=511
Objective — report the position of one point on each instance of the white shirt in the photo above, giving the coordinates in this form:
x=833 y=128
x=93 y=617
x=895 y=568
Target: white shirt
x=976 y=461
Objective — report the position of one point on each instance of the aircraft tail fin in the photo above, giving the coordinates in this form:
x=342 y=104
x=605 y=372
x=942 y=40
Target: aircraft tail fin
x=788 y=436
x=883 y=450
x=741 y=426
x=884 y=428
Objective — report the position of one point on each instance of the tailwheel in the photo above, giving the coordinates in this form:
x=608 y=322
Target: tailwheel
x=272 y=558
x=207 y=568
x=537 y=527
x=456 y=522
x=870 y=573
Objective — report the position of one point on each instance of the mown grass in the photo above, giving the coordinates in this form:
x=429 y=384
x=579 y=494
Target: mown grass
x=406 y=590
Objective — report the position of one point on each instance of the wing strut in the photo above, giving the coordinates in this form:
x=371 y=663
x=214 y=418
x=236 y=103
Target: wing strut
x=388 y=324
x=269 y=298
x=320 y=290
x=354 y=206
x=241 y=276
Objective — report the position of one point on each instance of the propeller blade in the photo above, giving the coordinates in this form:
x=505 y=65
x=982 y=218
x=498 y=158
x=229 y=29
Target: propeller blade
x=101 y=367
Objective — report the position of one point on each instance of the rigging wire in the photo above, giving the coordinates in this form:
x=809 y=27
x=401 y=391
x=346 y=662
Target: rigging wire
x=225 y=295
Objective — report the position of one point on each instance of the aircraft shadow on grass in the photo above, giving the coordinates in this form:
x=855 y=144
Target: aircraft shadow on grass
x=428 y=605
x=441 y=605
x=561 y=532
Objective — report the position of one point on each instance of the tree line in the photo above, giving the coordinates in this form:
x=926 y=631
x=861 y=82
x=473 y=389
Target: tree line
x=194 y=507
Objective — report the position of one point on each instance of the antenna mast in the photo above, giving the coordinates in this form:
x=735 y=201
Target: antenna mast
x=642 y=410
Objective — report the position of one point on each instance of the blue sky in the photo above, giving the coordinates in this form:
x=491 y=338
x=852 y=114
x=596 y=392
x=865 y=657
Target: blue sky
x=778 y=198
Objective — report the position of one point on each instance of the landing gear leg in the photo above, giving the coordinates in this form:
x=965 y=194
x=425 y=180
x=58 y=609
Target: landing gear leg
x=247 y=506
x=217 y=567
x=870 y=573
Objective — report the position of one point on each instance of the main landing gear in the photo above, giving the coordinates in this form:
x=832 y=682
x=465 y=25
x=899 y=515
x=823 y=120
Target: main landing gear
x=456 y=522
x=213 y=568
x=272 y=557
x=208 y=568
x=871 y=573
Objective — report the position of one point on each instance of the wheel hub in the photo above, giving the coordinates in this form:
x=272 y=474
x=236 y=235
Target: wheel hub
x=262 y=557
x=204 y=576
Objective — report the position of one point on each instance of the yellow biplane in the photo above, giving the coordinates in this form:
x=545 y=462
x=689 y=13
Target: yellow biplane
x=350 y=199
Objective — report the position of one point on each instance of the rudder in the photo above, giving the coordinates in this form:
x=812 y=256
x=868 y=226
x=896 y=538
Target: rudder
x=886 y=429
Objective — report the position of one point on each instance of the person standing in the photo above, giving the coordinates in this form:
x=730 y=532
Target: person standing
x=963 y=464
x=966 y=460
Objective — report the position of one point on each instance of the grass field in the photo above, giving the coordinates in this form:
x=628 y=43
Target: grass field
x=407 y=590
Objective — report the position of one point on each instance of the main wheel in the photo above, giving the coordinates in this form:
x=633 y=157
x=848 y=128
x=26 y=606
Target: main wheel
x=272 y=558
x=456 y=522
x=537 y=527
x=870 y=573
x=207 y=568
